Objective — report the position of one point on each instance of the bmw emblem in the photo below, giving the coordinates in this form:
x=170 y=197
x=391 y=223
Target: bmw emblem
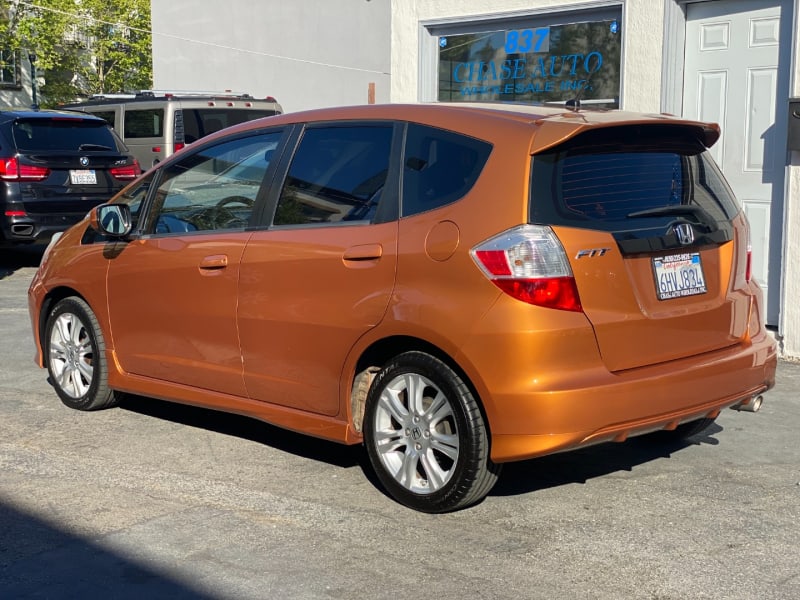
x=84 y=161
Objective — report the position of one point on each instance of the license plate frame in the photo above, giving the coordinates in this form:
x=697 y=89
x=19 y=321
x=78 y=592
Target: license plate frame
x=679 y=275
x=83 y=177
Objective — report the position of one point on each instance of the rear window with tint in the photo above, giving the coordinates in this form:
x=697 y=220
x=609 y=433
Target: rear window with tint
x=42 y=135
x=619 y=178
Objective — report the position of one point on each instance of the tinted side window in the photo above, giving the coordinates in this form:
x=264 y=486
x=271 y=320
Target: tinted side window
x=200 y=122
x=109 y=116
x=337 y=174
x=213 y=189
x=439 y=167
x=144 y=123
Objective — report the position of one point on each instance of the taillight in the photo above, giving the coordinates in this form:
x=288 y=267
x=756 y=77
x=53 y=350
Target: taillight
x=11 y=170
x=529 y=263
x=179 y=146
x=748 y=270
x=127 y=172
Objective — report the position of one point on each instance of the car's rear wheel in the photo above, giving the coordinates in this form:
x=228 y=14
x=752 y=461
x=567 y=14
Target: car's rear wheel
x=75 y=351
x=426 y=437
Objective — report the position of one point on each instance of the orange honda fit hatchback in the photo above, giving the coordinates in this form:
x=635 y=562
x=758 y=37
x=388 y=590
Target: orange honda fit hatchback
x=455 y=286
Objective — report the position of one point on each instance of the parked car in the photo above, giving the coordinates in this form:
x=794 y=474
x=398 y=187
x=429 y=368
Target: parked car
x=156 y=123
x=54 y=167
x=455 y=286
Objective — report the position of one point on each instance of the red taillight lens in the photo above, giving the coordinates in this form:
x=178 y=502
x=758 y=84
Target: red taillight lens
x=748 y=270
x=179 y=146
x=16 y=213
x=127 y=172
x=529 y=264
x=558 y=292
x=11 y=170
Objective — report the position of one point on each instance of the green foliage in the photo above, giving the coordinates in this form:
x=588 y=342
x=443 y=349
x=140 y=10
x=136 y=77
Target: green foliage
x=83 y=47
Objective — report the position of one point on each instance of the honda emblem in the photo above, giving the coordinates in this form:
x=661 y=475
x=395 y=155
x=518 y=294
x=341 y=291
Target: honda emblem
x=685 y=233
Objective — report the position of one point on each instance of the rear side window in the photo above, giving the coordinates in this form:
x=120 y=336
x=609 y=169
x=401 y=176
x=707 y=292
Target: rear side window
x=337 y=174
x=109 y=116
x=627 y=177
x=144 y=123
x=35 y=135
x=439 y=167
x=200 y=122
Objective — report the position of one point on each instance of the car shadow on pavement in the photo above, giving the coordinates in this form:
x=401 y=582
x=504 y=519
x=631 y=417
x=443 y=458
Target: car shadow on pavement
x=575 y=466
x=14 y=259
x=579 y=466
x=247 y=428
x=39 y=560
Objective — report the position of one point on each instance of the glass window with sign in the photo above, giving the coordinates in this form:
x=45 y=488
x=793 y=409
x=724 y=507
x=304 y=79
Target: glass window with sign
x=534 y=63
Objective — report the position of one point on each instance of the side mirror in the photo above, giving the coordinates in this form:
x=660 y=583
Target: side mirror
x=113 y=220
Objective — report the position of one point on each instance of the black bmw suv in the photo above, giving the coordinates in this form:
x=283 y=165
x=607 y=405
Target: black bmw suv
x=54 y=167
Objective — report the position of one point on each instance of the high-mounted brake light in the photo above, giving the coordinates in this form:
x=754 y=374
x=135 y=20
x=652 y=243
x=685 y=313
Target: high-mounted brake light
x=12 y=170
x=529 y=263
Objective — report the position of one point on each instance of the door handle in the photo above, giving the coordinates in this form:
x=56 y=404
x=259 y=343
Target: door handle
x=363 y=252
x=214 y=262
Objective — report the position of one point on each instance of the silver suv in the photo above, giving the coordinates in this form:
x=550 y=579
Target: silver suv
x=155 y=124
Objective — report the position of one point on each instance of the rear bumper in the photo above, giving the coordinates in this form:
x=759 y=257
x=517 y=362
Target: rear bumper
x=638 y=401
x=36 y=228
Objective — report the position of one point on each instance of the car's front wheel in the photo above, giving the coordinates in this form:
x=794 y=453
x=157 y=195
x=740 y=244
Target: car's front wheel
x=75 y=351
x=426 y=437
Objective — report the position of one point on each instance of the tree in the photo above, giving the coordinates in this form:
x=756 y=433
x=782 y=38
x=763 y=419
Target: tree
x=82 y=47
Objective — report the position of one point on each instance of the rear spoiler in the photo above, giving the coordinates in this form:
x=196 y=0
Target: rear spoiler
x=552 y=133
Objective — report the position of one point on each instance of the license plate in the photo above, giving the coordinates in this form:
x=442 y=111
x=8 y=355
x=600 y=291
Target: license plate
x=83 y=177
x=679 y=275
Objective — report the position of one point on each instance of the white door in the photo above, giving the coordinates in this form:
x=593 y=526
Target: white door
x=737 y=74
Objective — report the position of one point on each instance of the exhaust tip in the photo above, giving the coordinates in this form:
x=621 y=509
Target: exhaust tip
x=753 y=404
x=22 y=230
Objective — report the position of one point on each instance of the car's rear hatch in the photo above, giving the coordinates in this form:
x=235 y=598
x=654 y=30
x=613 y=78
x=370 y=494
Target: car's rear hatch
x=69 y=164
x=656 y=241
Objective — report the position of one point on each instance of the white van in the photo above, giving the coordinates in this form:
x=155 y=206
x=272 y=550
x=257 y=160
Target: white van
x=156 y=123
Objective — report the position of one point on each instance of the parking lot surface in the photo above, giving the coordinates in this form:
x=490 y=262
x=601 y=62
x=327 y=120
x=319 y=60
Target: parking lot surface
x=154 y=500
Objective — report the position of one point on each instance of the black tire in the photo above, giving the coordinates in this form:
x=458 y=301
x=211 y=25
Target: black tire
x=433 y=454
x=75 y=352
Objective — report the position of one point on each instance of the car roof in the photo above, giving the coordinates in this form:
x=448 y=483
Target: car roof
x=7 y=114
x=549 y=124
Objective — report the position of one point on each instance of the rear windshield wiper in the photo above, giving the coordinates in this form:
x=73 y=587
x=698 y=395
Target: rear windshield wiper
x=700 y=215
x=94 y=147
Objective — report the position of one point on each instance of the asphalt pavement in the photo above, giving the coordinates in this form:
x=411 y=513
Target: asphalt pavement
x=154 y=500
